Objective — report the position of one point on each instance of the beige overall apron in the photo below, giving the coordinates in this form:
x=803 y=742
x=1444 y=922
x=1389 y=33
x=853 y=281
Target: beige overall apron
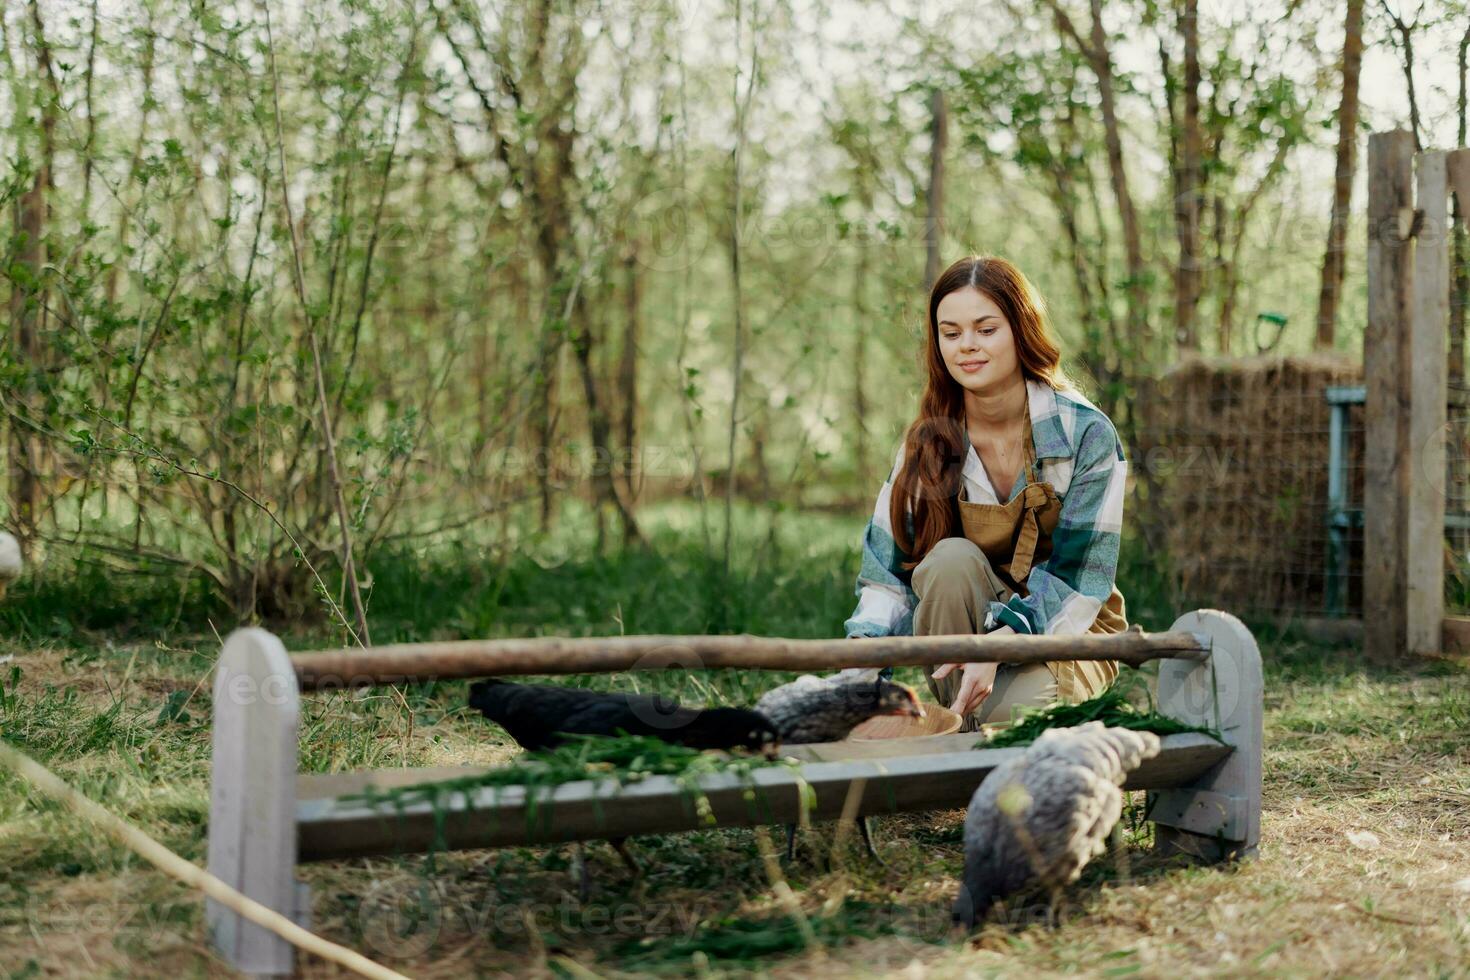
x=1015 y=536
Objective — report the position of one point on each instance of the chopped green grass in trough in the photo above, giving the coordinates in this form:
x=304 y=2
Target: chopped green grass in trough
x=1111 y=707
x=623 y=759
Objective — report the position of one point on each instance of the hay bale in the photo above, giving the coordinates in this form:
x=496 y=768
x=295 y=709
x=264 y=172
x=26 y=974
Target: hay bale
x=1230 y=471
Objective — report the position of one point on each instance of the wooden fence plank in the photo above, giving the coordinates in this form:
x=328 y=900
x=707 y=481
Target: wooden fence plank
x=1386 y=375
x=1428 y=365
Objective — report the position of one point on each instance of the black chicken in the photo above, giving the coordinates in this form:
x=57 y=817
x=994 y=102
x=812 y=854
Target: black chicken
x=537 y=716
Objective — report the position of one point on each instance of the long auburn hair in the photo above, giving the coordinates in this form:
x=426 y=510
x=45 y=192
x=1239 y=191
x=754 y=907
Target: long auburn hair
x=934 y=445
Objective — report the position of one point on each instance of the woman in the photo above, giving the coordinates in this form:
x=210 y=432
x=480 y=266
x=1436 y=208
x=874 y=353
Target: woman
x=1003 y=509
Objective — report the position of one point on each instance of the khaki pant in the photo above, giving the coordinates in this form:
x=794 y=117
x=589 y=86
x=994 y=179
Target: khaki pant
x=955 y=585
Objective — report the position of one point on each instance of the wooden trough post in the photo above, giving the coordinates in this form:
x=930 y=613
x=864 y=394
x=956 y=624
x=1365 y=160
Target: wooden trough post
x=1219 y=817
x=252 y=800
x=1205 y=797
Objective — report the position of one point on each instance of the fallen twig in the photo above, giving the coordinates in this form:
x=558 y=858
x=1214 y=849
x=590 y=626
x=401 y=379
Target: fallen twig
x=185 y=871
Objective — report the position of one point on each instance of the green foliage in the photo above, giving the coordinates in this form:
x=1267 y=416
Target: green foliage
x=69 y=599
x=449 y=184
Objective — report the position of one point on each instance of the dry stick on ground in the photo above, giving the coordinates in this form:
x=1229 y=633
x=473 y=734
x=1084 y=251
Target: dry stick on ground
x=849 y=817
x=789 y=902
x=298 y=277
x=185 y=871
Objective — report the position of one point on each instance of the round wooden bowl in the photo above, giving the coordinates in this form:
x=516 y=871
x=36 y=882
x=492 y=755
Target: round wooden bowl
x=937 y=720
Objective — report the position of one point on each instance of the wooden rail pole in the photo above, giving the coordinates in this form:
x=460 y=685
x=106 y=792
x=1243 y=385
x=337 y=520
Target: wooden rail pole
x=411 y=662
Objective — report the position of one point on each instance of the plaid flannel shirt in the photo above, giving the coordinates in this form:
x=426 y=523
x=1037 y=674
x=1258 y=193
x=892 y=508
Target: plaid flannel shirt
x=1079 y=454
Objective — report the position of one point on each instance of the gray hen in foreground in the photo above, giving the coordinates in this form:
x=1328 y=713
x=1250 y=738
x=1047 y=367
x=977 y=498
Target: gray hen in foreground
x=1040 y=817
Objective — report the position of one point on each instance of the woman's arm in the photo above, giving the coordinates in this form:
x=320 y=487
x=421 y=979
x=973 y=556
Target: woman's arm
x=1068 y=589
x=885 y=600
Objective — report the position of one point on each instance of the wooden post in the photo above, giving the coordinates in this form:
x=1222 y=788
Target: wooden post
x=252 y=800
x=1219 y=816
x=1386 y=463
x=1428 y=395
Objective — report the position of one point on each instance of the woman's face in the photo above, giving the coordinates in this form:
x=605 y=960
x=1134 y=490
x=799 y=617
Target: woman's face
x=976 y=341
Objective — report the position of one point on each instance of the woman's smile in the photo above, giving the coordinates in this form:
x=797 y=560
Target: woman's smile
x=974 y=336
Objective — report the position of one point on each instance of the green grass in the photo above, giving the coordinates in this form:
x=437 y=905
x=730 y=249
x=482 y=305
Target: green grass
x=109 y=687
x=1112 y=707
x=623 y=759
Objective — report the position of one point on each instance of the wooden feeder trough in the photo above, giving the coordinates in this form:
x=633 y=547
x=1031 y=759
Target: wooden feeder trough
x=1205 y=797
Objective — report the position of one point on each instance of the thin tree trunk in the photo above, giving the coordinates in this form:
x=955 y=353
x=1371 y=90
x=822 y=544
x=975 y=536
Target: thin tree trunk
x=24 y=483
x=860 y=354
x=1333 y=261
x=1229 y=268
x=1225 y=326
x=1098 y=322
x=1405 y=33
x=1187 y=183
x=628 y=370
x=934 y=218
x=1101 y=278
x=1462 y=275
x=1132 y=241
x=599 y=430
x=742 y=107
x=1099 y=59
x=1064 y=198
x=552 y=334
x=691 y=411
x=27 y=306
x=145 y=103
x=329 y=444
x=87 y=162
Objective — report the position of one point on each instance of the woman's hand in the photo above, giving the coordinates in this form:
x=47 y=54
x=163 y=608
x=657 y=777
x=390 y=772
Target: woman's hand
x=977 y=681
x=975 y=685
